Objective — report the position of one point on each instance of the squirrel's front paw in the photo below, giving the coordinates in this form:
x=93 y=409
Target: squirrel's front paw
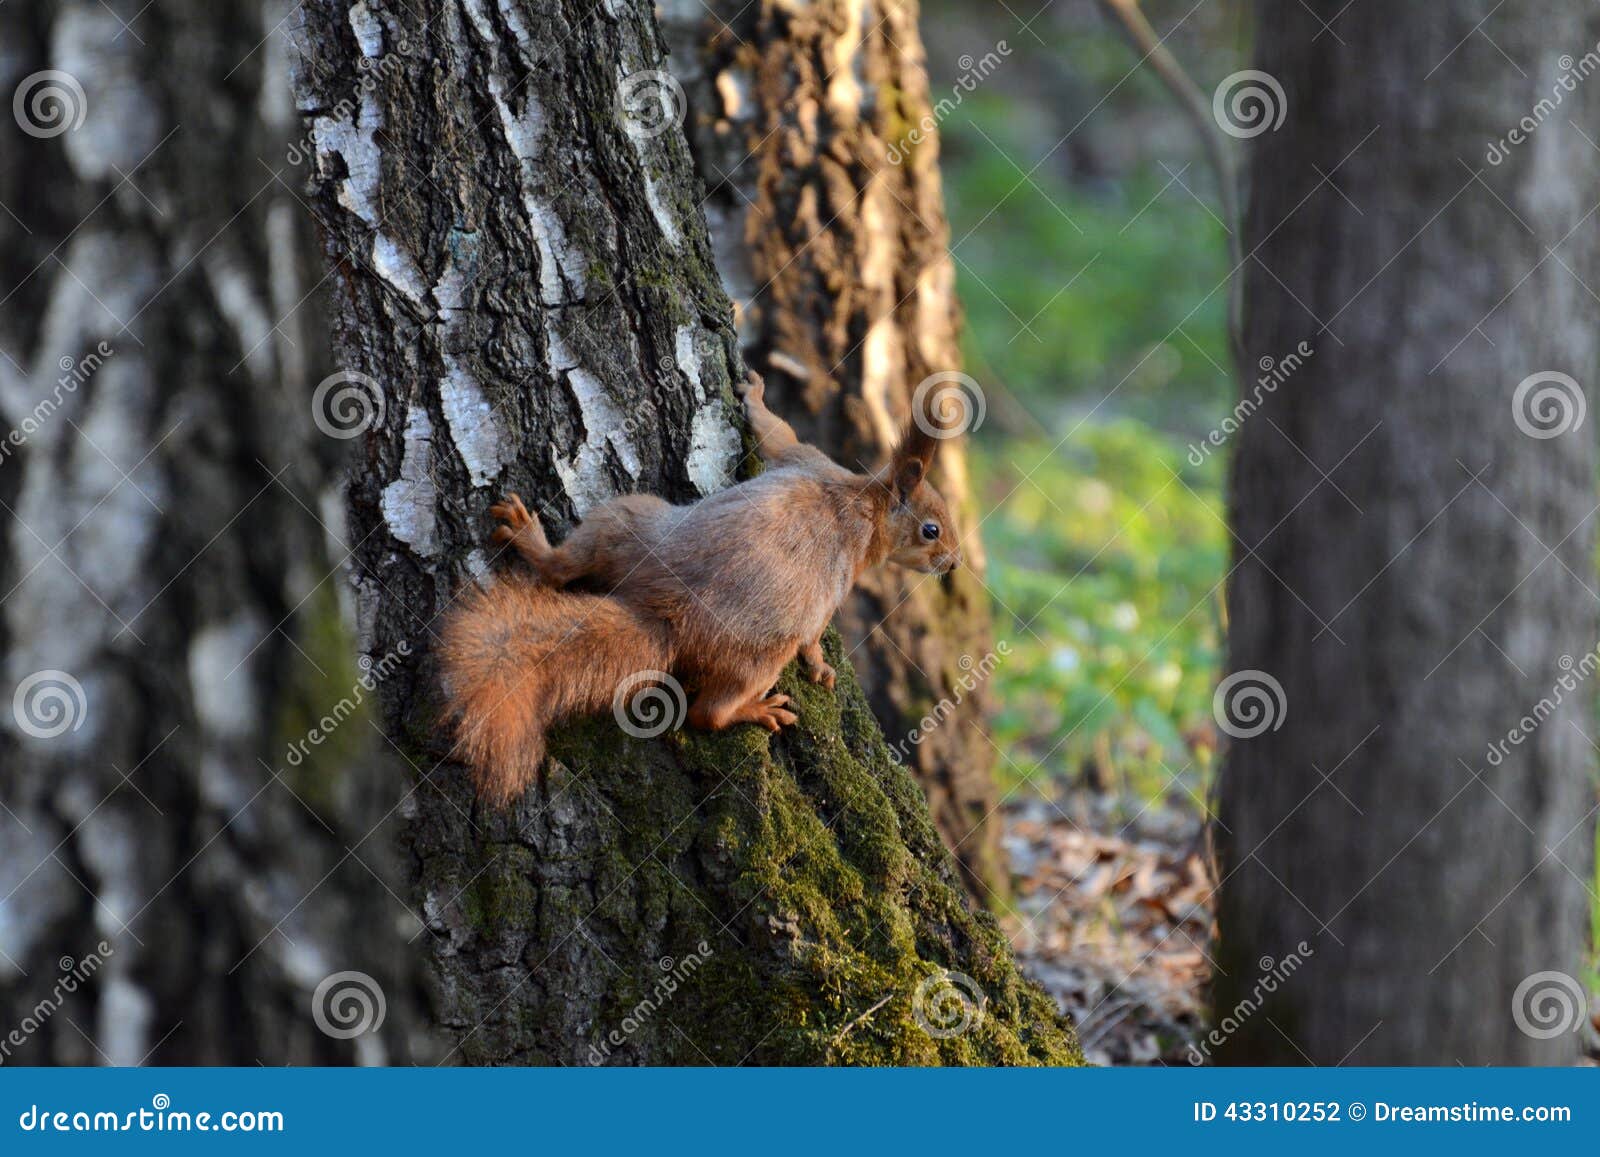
x=753 y=388
x=515 y=518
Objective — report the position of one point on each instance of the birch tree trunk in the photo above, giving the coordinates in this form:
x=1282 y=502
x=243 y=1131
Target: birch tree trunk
x=512 y=215
x=173 y=888
x=829 y=230
x=1415 y=567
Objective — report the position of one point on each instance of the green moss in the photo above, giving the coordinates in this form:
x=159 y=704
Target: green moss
x=309 y=752
x=801 y=874
x=503 y=895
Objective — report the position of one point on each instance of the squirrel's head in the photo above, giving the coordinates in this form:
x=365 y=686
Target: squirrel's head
x=919 y=531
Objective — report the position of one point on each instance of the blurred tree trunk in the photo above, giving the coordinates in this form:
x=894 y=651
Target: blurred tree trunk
x=173 y=889
x=523 y=267
x=1415 y=568
x=829 y=231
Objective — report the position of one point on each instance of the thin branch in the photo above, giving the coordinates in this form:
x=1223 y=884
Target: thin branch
x=1128 y=16
x=842 y=1033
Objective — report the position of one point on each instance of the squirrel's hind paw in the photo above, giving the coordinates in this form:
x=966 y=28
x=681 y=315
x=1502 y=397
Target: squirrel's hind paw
x=771 y=712
x=823 y=674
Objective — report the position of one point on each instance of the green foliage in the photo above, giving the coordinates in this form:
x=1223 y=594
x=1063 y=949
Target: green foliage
x=1107 y=555
x=1077 y=299
x=1096 y=326
x=1107 y=547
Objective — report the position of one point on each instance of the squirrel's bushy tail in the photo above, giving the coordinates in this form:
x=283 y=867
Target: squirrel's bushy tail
x=517 y=657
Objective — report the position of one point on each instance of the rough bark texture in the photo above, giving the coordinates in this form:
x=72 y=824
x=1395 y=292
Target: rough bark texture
x=1418 y=604
x=171 y=889
x=524 y=269
x=830 y=234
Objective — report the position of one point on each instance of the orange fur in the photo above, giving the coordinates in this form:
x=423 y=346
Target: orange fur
x=518 y=657
x=721 y=594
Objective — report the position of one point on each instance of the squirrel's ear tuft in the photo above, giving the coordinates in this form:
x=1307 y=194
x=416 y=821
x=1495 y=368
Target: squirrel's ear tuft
x=908 y=475
x=913 y=458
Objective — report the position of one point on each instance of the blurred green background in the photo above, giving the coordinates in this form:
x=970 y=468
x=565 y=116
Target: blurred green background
x=1091 y=257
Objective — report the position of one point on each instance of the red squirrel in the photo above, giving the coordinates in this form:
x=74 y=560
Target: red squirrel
x=720 y=594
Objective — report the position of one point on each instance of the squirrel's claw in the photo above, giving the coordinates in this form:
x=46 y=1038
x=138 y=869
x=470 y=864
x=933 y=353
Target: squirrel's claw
x=771 y=713
x=753 y=388
x=510 y=511
x=823 y=674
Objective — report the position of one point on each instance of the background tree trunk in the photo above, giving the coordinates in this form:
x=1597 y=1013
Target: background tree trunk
x=524 y=269
x=168 y=617
x=1413 y=568
x=835 y=251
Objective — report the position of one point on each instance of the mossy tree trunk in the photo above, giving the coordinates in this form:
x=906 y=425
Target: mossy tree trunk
x=524 y=270
x=1414 y=510
x=173 y=889
x=829 y=229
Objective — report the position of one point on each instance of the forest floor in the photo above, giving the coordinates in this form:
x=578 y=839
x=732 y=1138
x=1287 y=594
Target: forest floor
x=1113 y=916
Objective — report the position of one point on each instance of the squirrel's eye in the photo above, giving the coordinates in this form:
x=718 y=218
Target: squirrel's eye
x=930 y=531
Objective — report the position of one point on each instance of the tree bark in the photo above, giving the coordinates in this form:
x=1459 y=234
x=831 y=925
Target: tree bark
x=524 y=269
x=172 y=888
x=829 y=230
x=1415 y=546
